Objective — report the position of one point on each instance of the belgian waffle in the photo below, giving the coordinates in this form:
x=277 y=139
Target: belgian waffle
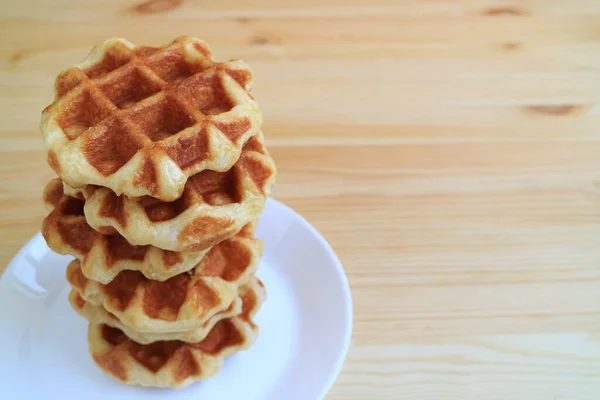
x=182 y=303
x=104 y=256
x=175 y=363
x=97 y=314
x=214 y=206
x=141 y=120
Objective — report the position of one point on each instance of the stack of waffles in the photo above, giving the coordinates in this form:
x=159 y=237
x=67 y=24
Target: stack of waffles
x=163 y=173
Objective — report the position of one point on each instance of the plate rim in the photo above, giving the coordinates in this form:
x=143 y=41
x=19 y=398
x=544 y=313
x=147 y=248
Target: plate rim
x=349 y=317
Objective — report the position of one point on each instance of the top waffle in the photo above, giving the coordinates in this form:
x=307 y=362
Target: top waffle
x=141 y=120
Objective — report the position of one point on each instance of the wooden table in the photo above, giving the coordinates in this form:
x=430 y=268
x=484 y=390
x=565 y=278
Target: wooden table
x=448 y=149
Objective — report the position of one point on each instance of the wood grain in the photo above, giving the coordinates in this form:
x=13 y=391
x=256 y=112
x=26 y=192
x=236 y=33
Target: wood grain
x=448 y=149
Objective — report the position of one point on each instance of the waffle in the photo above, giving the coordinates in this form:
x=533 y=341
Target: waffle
x=104 y=256
x=175 y=363
x=141 y=120
x=214 y=206
x=98 y=315
x=182 y=303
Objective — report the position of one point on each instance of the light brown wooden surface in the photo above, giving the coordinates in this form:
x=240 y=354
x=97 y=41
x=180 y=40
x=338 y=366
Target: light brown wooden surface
x=448 y=149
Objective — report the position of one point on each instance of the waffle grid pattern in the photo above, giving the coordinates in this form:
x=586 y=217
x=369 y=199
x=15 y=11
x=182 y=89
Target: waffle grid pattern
x=141 y=120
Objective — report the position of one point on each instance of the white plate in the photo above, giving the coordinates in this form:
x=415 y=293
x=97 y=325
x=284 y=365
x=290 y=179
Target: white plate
x=305 y=326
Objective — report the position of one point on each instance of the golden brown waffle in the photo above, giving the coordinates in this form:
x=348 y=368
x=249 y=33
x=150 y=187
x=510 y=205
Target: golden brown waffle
x=214 y=206
x=104 y=256
x=98 y=315
x=182 y=303
x=141 y=120
x=175 y=363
